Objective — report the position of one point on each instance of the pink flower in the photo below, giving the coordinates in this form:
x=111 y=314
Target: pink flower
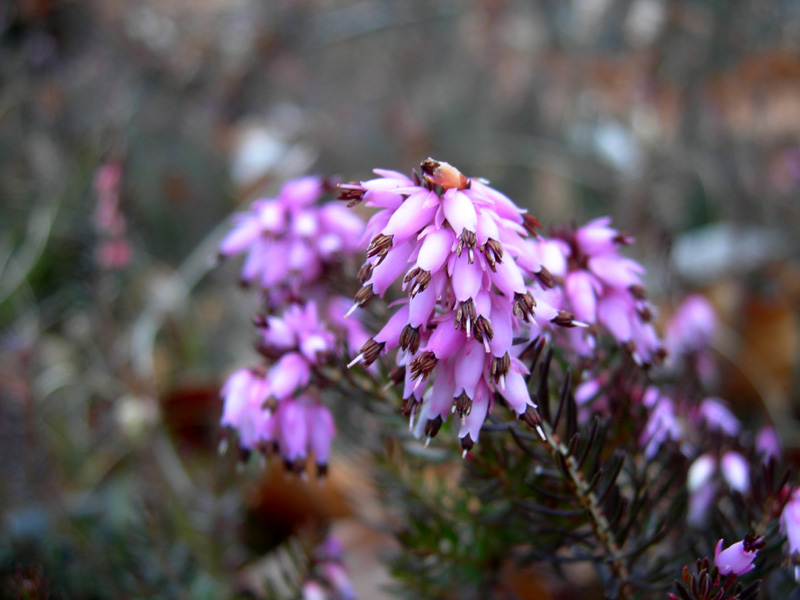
x=601 y=288
x=738 y=558
x=691 y=328
x=662 y=425
x=289 y=241
x=472 y=287
x=768 y=444
x=274 y=408
x=718 y=417
x=790 y=522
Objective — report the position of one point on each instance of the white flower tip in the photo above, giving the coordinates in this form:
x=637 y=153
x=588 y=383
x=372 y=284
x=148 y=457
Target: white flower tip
x=541 y=433
x=579 y=323
x=427 y=441
x=351 y=311
x=223 y=446
x=464 y=454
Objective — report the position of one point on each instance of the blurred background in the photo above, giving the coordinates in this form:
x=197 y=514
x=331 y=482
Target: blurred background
x=130 y=130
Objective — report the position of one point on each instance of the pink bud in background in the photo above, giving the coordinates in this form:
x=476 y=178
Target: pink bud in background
x=736 y=471
x=790 y=522
x=768 y=445
x=718 y=417
x=738 y=558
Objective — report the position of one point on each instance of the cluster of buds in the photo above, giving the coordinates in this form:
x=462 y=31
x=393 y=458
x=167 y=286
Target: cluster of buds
x=601 y=288
x=274 y=410
x=473 y=292
x=113 y=250
x=290 y=240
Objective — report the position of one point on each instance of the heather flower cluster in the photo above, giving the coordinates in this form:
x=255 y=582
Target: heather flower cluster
x=274 y=410
x=291 y=243
x=290 y=240
x=601 y=288
x=472 y=289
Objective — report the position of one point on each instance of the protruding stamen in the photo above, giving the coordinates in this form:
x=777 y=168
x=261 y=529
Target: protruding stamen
x=565 y=319
x=523 y=306
x=500 y=367
x=369 y=352
x=423 y=365
x=363 y=296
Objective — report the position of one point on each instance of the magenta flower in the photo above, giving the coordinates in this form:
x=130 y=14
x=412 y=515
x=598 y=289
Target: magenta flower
x=601 y=288
x=289 y=240
x=790 y=522
x=736 y=471
x=472 y=286
x=691 y=328
x=275 y=409
x=738 y=558
x=768 y=444
x=718 y=417
x=662 y=425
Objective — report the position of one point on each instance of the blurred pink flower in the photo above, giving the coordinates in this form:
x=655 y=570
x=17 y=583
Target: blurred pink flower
x=289 y=240
x=738 y=558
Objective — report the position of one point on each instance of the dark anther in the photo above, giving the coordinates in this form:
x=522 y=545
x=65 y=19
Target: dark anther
x=530 y=223
x=638 y=292
x=462 y=405
x=623 y=239
x=645 y=314
x=564 y=319
x=531 y=417
x=752 y=543
x=370 y=351
x=432 y=426
x=545 y=277
x=467 y=443
x=353 y=192
x=364 y=295
x=379 y=246
x=420 y=279
x=409 y=406
x=423 y=365
x=397 y=374
x=365 y=272
x=493 y=250
x=467 y=240
x=523 y=305
x=261 y=321
x=483 y=327
x=409 y=338
x=500 y=367
x=465 y=316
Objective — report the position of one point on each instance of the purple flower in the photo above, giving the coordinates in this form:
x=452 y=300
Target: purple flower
x=768 y=444
x=662 y=425
x=718 y=417
x=691 y=328
x=274 y=408
x=601 y=288
x=289 y=240
x=472 y=287
x=736 y=471
x=738 y=558
x=790 y=522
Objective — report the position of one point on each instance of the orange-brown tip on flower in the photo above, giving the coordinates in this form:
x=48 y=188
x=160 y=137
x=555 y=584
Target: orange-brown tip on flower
x=443 y=174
